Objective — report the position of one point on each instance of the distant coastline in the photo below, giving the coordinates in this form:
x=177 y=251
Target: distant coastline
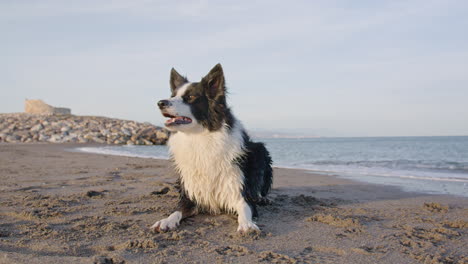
x=273 y=134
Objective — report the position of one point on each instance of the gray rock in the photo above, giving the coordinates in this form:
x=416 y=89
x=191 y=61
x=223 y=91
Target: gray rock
x=147 y=142
x=162 y=134
x=12 y=138
x=119 y=142
x=98 y=140
x=55 y=139
x=43 y=137
x=105 y=132
x=35 y=136
x=68 y=128
x=126 y=131
x=82 y=140
x=70 y=139
x=151 y=135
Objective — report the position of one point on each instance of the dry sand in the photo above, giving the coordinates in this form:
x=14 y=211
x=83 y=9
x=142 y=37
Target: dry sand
x=58 y=206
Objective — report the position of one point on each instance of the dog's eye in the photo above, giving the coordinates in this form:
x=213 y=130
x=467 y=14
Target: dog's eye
x=192 y=97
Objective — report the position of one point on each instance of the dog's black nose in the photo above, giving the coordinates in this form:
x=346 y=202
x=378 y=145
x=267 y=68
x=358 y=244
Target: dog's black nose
x=163 y=103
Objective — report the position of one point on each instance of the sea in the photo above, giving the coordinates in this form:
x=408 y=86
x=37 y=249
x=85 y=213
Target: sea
x=435 y=165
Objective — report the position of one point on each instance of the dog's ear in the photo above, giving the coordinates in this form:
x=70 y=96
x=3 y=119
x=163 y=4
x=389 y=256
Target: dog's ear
x=214 y=82
x=176 y=80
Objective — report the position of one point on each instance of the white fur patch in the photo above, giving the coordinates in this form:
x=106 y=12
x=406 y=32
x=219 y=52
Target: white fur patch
x=181 y=90
x=168 y=223
x=245 y=218
x=205 y=163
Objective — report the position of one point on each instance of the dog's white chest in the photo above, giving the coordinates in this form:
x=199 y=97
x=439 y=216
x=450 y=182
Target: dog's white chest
x=206 y=164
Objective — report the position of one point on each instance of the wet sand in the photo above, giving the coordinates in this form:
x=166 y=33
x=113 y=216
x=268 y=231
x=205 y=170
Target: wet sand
x=58 y=206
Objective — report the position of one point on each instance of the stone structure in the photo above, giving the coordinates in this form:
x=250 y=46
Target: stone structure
x=23 y=127
x=39 y=107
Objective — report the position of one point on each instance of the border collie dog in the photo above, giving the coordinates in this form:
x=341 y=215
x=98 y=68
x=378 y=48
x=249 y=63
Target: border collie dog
x=220 y=169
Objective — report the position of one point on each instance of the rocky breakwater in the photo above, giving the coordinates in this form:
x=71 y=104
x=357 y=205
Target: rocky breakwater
x=22 y=127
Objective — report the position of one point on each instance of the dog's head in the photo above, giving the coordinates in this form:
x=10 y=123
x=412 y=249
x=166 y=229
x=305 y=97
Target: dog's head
x=196 y=106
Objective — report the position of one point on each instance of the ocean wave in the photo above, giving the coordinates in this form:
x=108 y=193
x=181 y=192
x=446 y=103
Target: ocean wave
x=126 y=151
x=356 y=172
x=421 y=165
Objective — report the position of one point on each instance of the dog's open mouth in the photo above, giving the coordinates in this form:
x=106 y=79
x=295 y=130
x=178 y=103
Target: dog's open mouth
x=176 y=120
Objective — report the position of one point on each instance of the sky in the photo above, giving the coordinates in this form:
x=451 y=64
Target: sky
x=325 y=68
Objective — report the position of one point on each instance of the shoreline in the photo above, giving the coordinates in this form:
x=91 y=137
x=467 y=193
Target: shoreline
x=429 y=185
x=58 y=206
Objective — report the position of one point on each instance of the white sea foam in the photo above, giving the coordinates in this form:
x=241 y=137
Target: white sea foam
x=128 y=151
x=384 y=172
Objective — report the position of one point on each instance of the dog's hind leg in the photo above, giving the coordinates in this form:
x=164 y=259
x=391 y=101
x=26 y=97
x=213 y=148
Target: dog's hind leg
x=244 y=219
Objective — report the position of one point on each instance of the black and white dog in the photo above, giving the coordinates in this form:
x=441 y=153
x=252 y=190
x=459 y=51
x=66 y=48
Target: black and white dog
x=220 y=169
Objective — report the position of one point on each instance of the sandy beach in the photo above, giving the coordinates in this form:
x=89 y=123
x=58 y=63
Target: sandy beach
x=59 y=206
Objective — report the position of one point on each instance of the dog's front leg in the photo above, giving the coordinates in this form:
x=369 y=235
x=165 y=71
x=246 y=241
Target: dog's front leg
x=245 y=217
x=185 y=208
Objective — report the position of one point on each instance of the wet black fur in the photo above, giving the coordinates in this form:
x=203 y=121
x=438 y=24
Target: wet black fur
x=207 y=100
x=258 y=174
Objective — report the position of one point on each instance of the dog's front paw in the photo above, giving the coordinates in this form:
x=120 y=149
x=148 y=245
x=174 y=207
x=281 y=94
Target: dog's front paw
x=164 y=225
x=247 y=227
x=167 y=224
